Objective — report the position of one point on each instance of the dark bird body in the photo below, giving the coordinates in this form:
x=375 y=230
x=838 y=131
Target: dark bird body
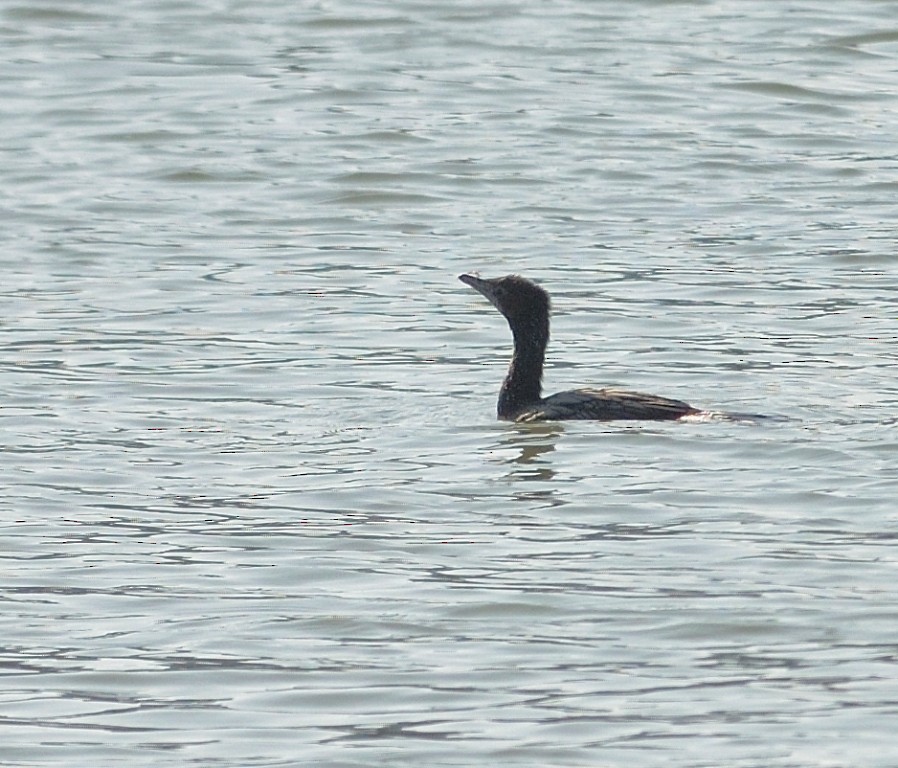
x=526 y=308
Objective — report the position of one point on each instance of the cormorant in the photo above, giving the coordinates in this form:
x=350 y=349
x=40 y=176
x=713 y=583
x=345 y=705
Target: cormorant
x=526 y=308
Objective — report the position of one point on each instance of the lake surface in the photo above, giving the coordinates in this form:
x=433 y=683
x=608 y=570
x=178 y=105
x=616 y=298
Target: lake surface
x=256 y=509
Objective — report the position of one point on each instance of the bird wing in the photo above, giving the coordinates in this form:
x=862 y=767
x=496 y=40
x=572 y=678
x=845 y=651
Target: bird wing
x=606 y=405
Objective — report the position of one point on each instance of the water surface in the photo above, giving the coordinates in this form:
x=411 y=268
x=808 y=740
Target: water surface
x=256 y=507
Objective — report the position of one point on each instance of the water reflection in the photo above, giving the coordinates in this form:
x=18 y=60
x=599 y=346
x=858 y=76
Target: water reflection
x=528 y=442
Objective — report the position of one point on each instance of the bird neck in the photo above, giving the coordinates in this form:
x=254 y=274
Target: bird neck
x=523 y=385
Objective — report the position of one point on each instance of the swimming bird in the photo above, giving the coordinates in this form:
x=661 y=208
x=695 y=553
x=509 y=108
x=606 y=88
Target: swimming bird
x=526 y=307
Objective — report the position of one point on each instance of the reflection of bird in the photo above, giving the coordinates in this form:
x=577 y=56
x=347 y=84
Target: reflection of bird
x=526 y=307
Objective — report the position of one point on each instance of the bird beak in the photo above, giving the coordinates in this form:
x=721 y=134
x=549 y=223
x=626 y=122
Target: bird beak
x=480 y=285
x=472 y=280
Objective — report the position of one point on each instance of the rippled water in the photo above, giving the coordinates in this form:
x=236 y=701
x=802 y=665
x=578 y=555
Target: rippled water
x=256 y=508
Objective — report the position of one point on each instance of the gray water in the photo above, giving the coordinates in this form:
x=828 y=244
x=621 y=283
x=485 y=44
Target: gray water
x=256 y=510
